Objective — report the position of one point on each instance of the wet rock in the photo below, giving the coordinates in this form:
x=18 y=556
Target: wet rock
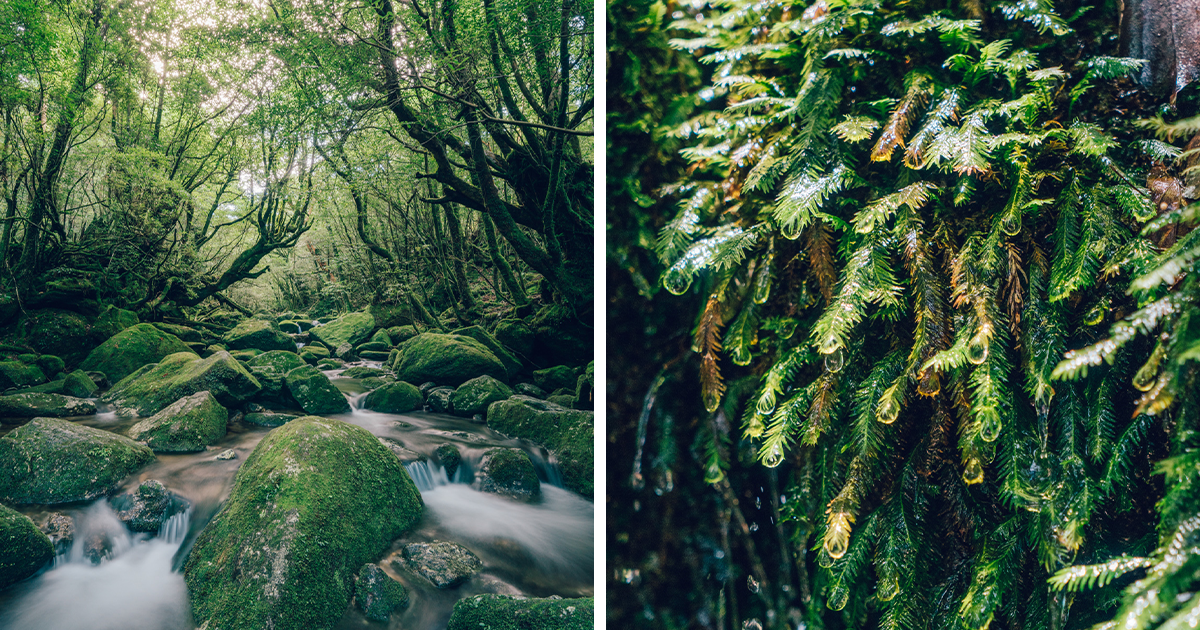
x=56 y=461
x=398 y=397
x=382 y=336
x=363 y=372
x=566 y=432
x=557 y=377
x=426 y=387
x=281 y=361
x=314 y=502
x=80 y=385
x=510 y=361
x=405 y=455
x=503 y=612
x=257 y=334
x=50 y=364
x=447 y=359
x=146 y=508
x=274 y=390
x=400 y=334
x=445 y=564
x=314 y=392
x=185 y=333
x=36 y=405
x=562 y=400
x=508 y=472
x=185 y=426
x=474 y=396
x=314 y=354
x=529 y=389
x=439 y=399
x=24 y=549
x=269 y=418
x=60 y=529
x=152 y=388
x=377 y=594
x=58 y=332
x=584 y=387
x=375 y=382
x=450 y=458
x=98 y=547
x=351 y=328
x=132 y=348
x=15 y=374
x=244 y=355
x=111 y=321
x=345 y=352
x=227 y=455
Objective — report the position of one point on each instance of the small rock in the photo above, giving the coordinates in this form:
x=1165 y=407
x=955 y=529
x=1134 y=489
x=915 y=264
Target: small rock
x=509 y=472
x=97 y=547
x=439 y=400
x=227 y=454
x=445 y=564
x=450 y=458
x=60 y=528
x=377 y=594
x=146 y=509
x=529 y=389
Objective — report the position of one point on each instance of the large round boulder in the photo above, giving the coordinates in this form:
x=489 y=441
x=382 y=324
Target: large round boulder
x=508 y=472
x=15 y=374
x=397 y=397
x=445 y=359
x=281 y=361
x=351 y=328
x=566 y=432
x=187 y=425
x=314 y=392
x=56 y=461
x=62 y=333
x=257 y=334
x=504 y=612
x=474 y=396
x=24 y=549
x=510 y=360
x=153 y=387
x=132 y=348
x=111 y=321
x=316 y=500
x=80 y=385
x=36 y=405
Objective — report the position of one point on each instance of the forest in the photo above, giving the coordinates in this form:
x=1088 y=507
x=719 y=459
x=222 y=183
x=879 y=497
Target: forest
x=906 y=294
x=296 y=313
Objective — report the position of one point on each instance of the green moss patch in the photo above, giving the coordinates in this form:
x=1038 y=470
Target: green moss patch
x=257 y=334
x=185 y=426
x=502 y=612
x=24 y=549
x=314 y=392
x=351 y=328
x=446 y=360
x=398 y=397
x=152 y=388
x=567 y=432
x=131 y=349
x=34 y=405
x=475 y=395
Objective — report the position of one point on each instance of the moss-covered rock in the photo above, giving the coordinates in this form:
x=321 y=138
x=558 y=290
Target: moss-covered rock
x=146 y=508
x=330 y=364
x=529 y=389
x=400 y=334
x=562 y=400
x=80 y=385
x=351 y=328
x=282 y=361
x=516 y=335
x=363 y=372
x=446 y=359
x=316 y=500
x=438 y=400
x=445 y=564
x=14 y=374
x=398 y=397
x=510 y=360
x=377 y=594
x=502 y=612
x=37 y=405
x=584 y=387
x=50 y=364
x=62 y=333
x=382 y=336
x=557 y=377
x=295 y=326
x=391 y=315
x=24 y=549
x=185 y=426
x=475 y=395
x=269 y=418
x=244 y=355
x=187 y=334
x=56 y=461
x=53 y=387
x=132 y=348
x=152 y=388
x=508 y=471
x=314 y=354
x=567 y=432
x=111 y=321
x=257 y=334
x=374 y=346
x=373 y=355
x=314 y=392
x=449 y=457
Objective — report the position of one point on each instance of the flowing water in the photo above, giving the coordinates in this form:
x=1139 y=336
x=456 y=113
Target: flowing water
x=537 y=549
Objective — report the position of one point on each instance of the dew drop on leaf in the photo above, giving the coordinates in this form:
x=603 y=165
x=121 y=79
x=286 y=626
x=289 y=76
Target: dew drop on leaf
x=752 y=584
x=989 y=421
x=977 y=350
x=888 y=588
x=676 y=281
x=930 y=384
x=712 y=400
x=834 y=361
x=753 y=527
x=774 y=457
x=973 y=472
x=1094 y=316
x=766 y=402
x=1011 y=224
x=1146 y=376
x=755 y=428
x=838 y=598
x=713 y=474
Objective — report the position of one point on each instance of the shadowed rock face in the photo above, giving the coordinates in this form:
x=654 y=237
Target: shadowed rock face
x=1166 y=33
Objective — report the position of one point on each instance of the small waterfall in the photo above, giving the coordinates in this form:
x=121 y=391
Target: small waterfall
x=175 y=529
x=299 y=329
x=428 y=476
x=99 y=536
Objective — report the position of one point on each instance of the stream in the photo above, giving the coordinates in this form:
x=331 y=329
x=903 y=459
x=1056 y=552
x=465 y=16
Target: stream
x=538 y=549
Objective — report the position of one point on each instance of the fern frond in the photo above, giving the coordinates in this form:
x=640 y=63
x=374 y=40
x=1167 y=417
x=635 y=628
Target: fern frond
x=1089 y=576
x=919 y=89
x=804 y=195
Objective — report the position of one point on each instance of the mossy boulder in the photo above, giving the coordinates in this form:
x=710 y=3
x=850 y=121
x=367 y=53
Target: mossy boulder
x=382 y=336
x=295 y=326
x=351 y=328
x=475 y=395
x=314 y=392
x=449 y=457
x=391 y=315
x=244 y=355
x=363 y=372
x=185 y=426
x=281 y=361
x=503 y=612
x=444 y=564
x=508 y=472
x=24 y=549
x=14 y=374
x=56 y=461
x=438 y=399
x=52 y=387
x=398 y=397
x=257 y=334
x=374 y=355
x=62 y=333
x=374 y=346
x=557 y=377
x=185 y=333
x=516 y=335
x=510 y=360
x=377 y=594
x=529 y=389
x=80 y=385
x=330 y=364
x=334 y=298
x=111 y=321
x=567 y=432
x=132 y=348
x=146 y=508
x=153 y=387
x=37 y=405
x=400 y=334
x=562 y=400
x=446 y=359
x=313 y=354
x=316 y=500
x=50 y=364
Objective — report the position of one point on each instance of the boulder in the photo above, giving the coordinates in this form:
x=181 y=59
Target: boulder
x=330 y=364
x=62 y=333
x=314 y=392
x=53 y=387
x=185 y=426
x=438 y=400
x=382 y=336
x=56 y=461
x=446 y=359
x=398 y=397
x=132 y=348
x=377 y=594
x=153 y=387
x=400 y=334
x=60 y=529
x=274 y=392
x=363 y=372
x=562 y=400
x=557 y=377
x=351 y=328
x=445 y=564
x=516 y=335
x=24 y=549
x=505 y=612
x=475 y=395
x=294 y=326
x=510 y=361
x=146 y=508
x=50 y=364
x=282 y=361
x=185 y=333
x=14 y=374
x=316 y=500
x=313 y=354
x=269 y=418
x=529 y=389
x=375 y=382
x=450 y=458
x=566 y=432
x=44 y=405
x=374 y=346
x=346 y=352
x=391 y=315
x=65 y=288
x=257 y=334
x=111 y=321
x=372 y=355
x=560 y=337
x=509 y=472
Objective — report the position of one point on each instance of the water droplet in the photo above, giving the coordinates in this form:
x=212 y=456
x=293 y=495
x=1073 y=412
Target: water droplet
x=790 y=231
x=889 y=405
x=973 y=472
x=989 y=424
x=930 y=384
x=1146 y=376
x=837 y=537
x=782 y=499
x=766 y=402
x=751 y=624
x=977 y=350
x=774 y=457
x=755 y=428
x=713 y=474
x=888 y=588
x=676 y=281
x=758 y=503
x=838 y=598
x=752 y=584
x=834 y=361
x=762 y=282
x=1094 y=316
x=1011 y=224
x=753 y=527
x=823 y=559
x=712 y=400
x=637 y=481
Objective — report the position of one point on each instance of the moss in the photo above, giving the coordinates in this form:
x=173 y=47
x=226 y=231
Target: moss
x=400 y=334
x=185 y=333
x=316 y=500
x=314 y=392
x=584 y=387
x=131 y=349
x=502 y=612
x=80 y=385
x=62 y=333
x=50 y=364
x=377 y=594
x=450 y=458
x=374 y=346
x=508 y=471
x=567 y=432
x=269 y=418
x=34 y=405
x=351 y=328
x=330 y=364
x=152 y=388
x=391 y=315
x=56 y=461
x=362 y=372
x=257 y=334
x=557 y=377
x=17 y=374
x=398 y=397
x=562 y=400
x=374 y=355
x=438 y=399
x=516 y=335
x=510 y=360
x=475 y=395
x=282 y=361
x=24 y=549
x=185 y=426
x=53 y=387
x=245 y=355
x=446 y=359
x=382 y=336
x=314 y=354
